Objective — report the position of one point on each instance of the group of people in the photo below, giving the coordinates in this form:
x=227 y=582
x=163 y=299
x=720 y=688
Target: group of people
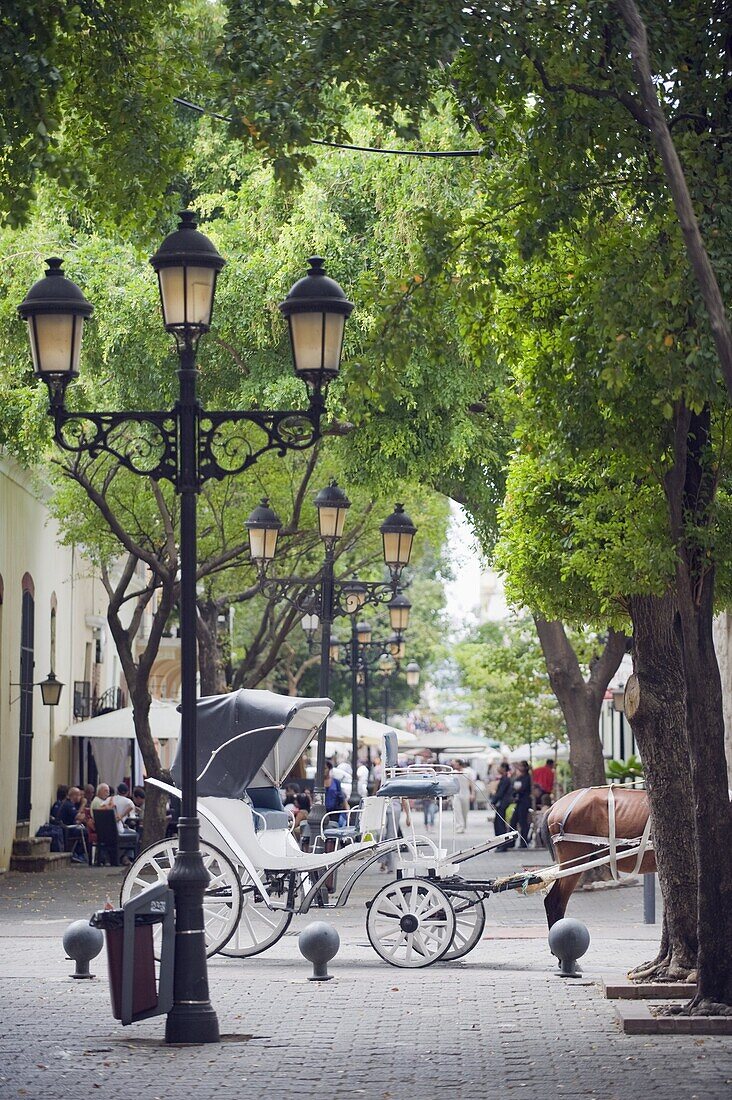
x=527 y=792
x=518 y=796
x=73 y=812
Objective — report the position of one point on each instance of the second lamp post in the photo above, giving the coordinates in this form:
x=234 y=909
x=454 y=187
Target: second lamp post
x=324 y=595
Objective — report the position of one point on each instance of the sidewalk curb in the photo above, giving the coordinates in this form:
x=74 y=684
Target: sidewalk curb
x=637 y=1019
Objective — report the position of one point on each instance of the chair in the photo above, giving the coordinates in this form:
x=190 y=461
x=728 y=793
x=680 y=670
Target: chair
x=110 y=839
x=75 y=840
x=365 y=820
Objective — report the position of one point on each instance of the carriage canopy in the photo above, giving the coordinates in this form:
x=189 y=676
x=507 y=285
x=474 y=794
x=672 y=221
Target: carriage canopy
x=250 y=738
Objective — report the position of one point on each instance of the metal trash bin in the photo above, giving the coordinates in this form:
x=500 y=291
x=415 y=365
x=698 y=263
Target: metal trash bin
x=133 y=989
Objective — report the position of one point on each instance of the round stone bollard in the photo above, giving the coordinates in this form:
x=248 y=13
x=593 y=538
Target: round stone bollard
x=569 y=940
x=82 y=943
x=319 y=943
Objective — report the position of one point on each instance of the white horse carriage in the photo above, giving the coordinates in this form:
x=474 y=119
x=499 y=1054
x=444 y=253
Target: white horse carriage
x=248 y=742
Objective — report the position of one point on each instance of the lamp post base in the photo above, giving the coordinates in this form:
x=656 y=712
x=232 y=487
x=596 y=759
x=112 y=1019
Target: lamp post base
x=191 y=1023
x=192 y=1018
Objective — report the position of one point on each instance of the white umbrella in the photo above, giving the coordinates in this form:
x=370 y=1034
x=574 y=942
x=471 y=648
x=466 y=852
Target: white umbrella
x=465 y=743
x=164 y=723
x=539 y=752
x=370 y=732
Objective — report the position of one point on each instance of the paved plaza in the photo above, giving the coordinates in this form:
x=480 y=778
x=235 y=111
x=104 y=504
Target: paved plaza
x=501 y=1021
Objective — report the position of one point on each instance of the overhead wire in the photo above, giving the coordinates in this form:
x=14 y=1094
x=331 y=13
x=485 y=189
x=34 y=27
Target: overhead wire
x=435 y=153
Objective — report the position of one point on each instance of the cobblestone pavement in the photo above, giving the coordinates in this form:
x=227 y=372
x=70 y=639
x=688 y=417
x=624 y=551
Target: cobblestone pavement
x=499 y=1022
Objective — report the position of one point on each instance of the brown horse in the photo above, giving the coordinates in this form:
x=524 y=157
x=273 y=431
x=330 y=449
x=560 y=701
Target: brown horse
x=592 y=824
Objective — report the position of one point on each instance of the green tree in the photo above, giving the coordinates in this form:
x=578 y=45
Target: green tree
x=503 y=668
x=87 y=103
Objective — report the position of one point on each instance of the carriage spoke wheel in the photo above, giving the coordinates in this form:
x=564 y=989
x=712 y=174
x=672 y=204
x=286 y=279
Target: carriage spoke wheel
x=221 y=900
x=410 y=923
x=259 y=926
x=469 y=924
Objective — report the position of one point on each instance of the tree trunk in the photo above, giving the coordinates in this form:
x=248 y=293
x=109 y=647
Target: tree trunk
x=705 y=724
x=581 y=703
x=153 y=828
x=655 y=704
x=580 y=700
x=690 y=488
x=211 y=656
x=137 y=674
x=695 y=249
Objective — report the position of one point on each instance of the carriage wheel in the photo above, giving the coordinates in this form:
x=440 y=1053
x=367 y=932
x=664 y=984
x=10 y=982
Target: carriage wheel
x=469 y=924
x=410 y=923
x=221 y=900
x=259 y=926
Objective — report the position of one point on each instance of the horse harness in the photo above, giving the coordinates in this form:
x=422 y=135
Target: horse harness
x=612 y=841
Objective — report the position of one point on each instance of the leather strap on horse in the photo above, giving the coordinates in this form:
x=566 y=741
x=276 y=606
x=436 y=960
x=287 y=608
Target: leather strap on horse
x=612 y=842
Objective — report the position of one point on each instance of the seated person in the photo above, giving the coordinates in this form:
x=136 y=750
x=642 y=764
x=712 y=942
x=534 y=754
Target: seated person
x=301 y=810
x=102 y=799
x=123 y=805
x=61 y=792
x=69 y=815
x=335 y=799
x=292 y=790
x=136 y=818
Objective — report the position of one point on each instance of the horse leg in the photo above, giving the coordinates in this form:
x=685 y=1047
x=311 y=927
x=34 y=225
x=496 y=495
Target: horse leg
x=555 y=902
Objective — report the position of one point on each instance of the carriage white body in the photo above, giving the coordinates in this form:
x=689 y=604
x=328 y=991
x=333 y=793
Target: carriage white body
x=260 y=877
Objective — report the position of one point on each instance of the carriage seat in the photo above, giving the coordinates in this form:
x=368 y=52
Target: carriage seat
x=419 y=786
x=267 y=802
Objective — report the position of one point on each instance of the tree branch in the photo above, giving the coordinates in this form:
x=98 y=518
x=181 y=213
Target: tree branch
x=695 y=249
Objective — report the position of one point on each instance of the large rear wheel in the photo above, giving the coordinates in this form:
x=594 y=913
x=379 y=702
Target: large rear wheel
x=469 y=924
x=410 y=923
x=259 y=926
x=222 y=900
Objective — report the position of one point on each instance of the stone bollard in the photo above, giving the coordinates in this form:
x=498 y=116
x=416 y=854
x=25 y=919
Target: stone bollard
x=82 y=943
x=569 y=940
x=319 y=943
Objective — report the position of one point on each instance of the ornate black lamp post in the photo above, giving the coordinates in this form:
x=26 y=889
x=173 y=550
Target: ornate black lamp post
x=187 y=446
x=332 y=598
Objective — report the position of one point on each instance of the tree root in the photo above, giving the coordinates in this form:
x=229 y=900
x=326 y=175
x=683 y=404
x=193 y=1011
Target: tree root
x=662 y=970
x=704 y=1007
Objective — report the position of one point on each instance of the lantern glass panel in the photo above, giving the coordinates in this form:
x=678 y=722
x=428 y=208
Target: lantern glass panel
x=399 y=617
x=317 y=340
x=55 y=340
x=412 y=677
x=331 y=521
x=364 y=633
x=397 y=547
x=187 y=295
x=263 y=543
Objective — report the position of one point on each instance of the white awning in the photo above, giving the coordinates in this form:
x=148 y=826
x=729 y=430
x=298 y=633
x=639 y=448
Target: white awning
x=370 y=732
x=164 y=723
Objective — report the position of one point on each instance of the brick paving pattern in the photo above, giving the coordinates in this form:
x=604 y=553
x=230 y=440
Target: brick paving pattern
x=499 y=1022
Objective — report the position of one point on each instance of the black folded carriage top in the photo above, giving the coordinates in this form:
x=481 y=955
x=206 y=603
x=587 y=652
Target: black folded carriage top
x=250 y=738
